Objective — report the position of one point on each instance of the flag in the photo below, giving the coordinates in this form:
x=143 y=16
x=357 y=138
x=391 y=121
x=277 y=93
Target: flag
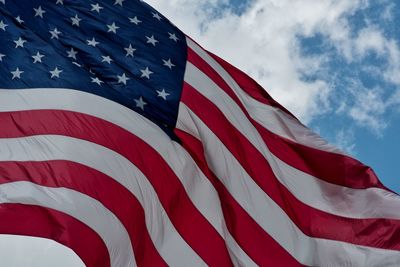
x=124 y=140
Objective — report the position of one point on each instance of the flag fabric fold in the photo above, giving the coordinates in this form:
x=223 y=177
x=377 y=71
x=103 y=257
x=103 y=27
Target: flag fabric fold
x=126 y=141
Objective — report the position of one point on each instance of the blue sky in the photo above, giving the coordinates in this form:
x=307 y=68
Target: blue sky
x=335 y=64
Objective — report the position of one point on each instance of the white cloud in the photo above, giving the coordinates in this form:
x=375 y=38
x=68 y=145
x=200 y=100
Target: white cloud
x=370 y=39
x=387 y=13
x=392 y=74
x=344 y=140
x=369 y=109
x=394 y=100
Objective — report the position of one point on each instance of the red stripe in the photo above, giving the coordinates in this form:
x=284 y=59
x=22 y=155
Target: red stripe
x=27 y=220
x=203 y=238
x=332 y=167
x=312 y=222
x=341 y=170
x=257 y=244
x=250 y=86
x=86 y=180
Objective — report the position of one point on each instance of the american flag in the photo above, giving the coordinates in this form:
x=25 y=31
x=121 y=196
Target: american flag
x=124 y=140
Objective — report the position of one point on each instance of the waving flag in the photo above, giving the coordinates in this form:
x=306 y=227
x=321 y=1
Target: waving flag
x=124 y=140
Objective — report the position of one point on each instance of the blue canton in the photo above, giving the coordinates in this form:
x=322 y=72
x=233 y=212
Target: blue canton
x=119 y=49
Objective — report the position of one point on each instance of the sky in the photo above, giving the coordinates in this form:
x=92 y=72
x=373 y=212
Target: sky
x=334 y=63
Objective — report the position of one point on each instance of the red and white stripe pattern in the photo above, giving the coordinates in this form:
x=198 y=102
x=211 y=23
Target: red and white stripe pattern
x=288 y=197
x=248 y=185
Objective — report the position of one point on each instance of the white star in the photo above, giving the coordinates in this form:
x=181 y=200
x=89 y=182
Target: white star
x=156 y=15
x=168 y=63
x=172 y=36
x=55 y=73
x=122 y=79
x=54 y=33
x=37 y=58
x=96 y=7
x=140 y=103
x=61 y=2
x=129 y=50
x=92 y=42
x=1 y=56
x=3 y=1
x=3 y=25
x=19 y=43
x=151 y=40
x=106 y=59
x=146 y=73
x=39 y=12
x=72 y=53
x=162 y=94
x=19 y=19
x=112 y=28
x=97 y=80
x=135 y=20
x=75 y=20
x=118 y=2
x=16 y=74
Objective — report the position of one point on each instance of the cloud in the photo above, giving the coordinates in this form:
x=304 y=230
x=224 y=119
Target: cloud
x=369 y=109
x=392 y=73
x=387 y=13
x=345 y=140
x=394 y=100
x=370 y=39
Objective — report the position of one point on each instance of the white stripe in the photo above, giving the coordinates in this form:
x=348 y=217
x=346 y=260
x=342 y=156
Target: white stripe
x=83 y=208
x=272 y=118
x=166 y=239
x=308 y=251
x=196 y=184
x=317 y=193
